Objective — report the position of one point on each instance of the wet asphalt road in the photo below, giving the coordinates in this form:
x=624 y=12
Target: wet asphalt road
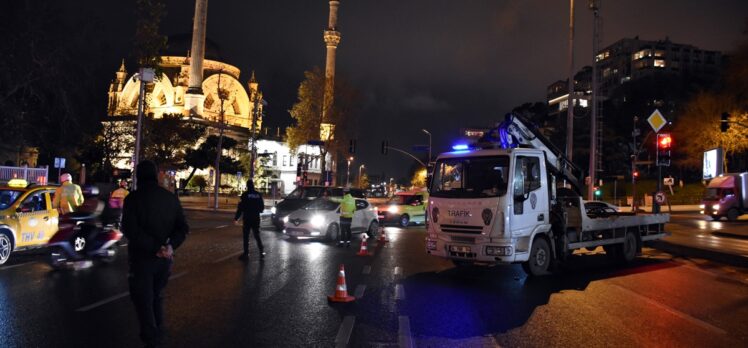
x=408 y=298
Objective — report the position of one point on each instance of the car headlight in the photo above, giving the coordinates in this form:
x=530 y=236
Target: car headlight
x=701 y=206
x=317 y=221
x=715 y=207
x=392 y=209
x=273 y=210
x=285 y=219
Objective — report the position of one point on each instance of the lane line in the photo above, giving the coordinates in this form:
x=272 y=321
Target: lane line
x=222 y=226
x=399 y=292
x=118 y=296
x=228 y=256
x=359 y=293
x=344 y=333
x=674 y=311
x=404 y=339
x=397 y=271
x=367 y=270
x=18 y=265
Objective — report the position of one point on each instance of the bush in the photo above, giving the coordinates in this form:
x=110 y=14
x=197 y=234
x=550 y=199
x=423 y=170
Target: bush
x=198 y=181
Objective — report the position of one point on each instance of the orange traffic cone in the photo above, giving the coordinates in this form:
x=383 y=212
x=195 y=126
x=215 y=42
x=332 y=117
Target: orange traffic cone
x=341 y=291
x=382 y=237
x=364 y=251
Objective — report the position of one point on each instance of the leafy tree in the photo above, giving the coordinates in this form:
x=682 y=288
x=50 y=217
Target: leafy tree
x=419 y=178
x=309 y=108
x=114 y=139
x=165 y=140
x=204 y=156
x=363 y=182
x=198 y=181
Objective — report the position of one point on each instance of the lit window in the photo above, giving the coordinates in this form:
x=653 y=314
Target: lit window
x=659 y=63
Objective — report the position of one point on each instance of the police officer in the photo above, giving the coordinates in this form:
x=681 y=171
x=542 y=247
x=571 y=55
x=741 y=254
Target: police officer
x=153 y=222
x=250 y=206
x=347 y=208
x=68 y=196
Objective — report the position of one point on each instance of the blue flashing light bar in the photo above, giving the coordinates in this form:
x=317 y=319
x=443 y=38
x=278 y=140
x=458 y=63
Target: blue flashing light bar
x=460 y=147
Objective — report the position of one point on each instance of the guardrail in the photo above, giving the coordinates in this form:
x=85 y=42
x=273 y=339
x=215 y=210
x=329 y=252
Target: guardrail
x=31 y=175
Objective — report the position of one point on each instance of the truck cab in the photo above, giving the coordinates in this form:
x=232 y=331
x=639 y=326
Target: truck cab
x=485 y=206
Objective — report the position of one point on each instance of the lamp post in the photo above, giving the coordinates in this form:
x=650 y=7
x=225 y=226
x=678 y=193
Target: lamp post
x=429 y=133
x=360 y=168
x=348 y=171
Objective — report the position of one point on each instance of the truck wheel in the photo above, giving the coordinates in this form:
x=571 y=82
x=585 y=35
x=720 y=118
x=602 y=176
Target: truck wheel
x=540 y=258
x=628 y=248
x=6 y=246
x=732 y=214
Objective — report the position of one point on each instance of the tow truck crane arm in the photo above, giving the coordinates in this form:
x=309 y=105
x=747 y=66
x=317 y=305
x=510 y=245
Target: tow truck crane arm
x=516 y=131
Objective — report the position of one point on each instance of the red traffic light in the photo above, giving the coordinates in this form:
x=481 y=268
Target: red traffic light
x=636 y=174
x=664 y=141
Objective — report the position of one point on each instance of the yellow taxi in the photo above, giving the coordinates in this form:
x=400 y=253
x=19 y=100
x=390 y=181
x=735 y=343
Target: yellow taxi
x=404 y=208
x=27 y=218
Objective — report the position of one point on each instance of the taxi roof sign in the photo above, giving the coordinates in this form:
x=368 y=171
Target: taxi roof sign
x=656 y=120
x=18 y=183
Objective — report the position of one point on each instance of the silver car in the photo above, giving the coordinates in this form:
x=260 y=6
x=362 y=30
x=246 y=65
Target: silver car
x=321 y=219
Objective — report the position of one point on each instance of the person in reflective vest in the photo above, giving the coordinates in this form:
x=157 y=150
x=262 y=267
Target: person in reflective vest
x=68 y=196
x=347 y=208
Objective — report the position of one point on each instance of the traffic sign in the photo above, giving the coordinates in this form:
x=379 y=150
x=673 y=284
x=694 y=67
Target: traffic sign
x=59 y=162
x=668 y=181
x=660 y=197
x=656 y=120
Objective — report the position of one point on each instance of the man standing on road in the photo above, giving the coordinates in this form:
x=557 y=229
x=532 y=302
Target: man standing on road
x=347 y=208
x=155 y=226
x=68 y=196
x=250 y=206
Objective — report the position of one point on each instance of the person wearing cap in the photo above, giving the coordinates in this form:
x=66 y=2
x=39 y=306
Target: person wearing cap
x=250 y=206
x=347 y=208
x=68 y=196
x=155 y=226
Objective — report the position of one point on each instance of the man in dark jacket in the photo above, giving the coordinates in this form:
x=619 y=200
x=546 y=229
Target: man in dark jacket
x=155 y=226
x=250 y=207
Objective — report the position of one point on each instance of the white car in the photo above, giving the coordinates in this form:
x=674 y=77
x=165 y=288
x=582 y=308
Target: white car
x=321 y=219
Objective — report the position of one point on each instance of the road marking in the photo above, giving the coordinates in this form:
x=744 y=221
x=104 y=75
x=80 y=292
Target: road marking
x=344 y=333
x=359 y=293
x=18 y=265
x=222 y=226
x=228 y=256
x=397 y=270
x=367 y=270
x=403 y=332
x=675 y=312
x=117 y=297
x=399 y=292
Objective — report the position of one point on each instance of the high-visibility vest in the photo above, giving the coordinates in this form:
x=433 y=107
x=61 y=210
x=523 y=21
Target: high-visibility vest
x=347 y=206
x=68 y=197
x=117 y=198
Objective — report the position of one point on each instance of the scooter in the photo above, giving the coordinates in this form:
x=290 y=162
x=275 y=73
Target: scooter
x=83 y=238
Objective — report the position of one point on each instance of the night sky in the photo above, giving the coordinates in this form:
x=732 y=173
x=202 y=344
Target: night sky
x=433 y=64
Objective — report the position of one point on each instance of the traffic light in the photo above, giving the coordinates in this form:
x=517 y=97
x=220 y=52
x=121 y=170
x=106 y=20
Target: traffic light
x=664 y=144
x=352 y=146
x=598 y=191
x=385 y=146
x=724 y=123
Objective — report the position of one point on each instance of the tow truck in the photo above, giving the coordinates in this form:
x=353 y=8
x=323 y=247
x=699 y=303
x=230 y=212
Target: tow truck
x=513 y=197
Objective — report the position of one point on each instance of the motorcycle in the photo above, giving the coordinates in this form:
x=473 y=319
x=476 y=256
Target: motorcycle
x=84 y=237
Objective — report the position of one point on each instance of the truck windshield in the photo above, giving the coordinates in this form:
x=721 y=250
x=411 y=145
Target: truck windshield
x=712 y=194
x=470 y=177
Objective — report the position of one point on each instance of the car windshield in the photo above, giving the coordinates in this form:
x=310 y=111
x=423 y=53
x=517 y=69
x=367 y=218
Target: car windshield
x=404 y=199
x=305 y=193
x=8 y=197
x=322 y=204
x=470 y=177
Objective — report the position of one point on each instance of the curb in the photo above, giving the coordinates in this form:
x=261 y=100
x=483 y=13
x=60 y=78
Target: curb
x=687 y=251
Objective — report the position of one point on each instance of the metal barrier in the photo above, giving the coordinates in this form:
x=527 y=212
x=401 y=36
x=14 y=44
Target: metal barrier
x=31 y=175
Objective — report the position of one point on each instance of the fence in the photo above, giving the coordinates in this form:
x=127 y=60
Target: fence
x=31 y=175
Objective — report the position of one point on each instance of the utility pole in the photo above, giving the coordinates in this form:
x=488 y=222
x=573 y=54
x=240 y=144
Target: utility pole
x=593 y=117
x=146 y=75
x=222 y=95
x=253 y=148
x=634 y=133
x=570 y=104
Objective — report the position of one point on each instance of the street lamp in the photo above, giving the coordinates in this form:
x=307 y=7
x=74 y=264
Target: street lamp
x=429 y=133
x=348 y=171
x=360 y=168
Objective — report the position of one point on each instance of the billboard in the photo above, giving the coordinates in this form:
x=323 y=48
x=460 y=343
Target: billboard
x=712 y=163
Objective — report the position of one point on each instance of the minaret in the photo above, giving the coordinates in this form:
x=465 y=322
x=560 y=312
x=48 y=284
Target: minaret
x=115 y=88
x=193 y=100
x=332 y=39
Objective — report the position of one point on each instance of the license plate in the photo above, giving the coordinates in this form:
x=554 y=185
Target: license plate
x=297 y=233
x=459 y=249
